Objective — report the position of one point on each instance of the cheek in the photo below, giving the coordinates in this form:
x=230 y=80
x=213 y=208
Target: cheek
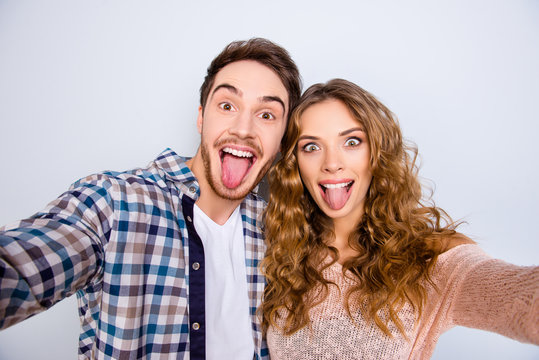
x=305 y=170
x=363 y=166
x=273 y=147
x=367 y=180
x=211 y=132
x=273 y=140
x=301 y=166
x=367 y=184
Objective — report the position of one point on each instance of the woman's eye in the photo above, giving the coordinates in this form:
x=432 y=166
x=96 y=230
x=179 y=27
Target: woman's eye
x=226 y=106
x=353 y=142
x=267 y=116
x=310 y=147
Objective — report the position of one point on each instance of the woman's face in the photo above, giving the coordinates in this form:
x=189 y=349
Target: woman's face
x=333 y=157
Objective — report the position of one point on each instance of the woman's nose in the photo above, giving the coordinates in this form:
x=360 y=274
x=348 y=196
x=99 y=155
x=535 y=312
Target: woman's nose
x=332 y=162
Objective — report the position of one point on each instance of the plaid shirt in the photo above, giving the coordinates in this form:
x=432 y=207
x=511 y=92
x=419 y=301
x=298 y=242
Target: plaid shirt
x=121 y=241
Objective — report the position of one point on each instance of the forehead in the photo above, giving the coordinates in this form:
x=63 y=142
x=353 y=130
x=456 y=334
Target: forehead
x=327 y=117
x=252 y=79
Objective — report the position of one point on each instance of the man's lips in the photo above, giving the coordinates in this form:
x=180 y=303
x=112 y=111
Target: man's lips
x=236 y=163
x=239 y=152
x=236 y=146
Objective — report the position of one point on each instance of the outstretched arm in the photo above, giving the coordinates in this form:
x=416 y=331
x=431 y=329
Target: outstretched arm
x=54 y=253
x=494 y=295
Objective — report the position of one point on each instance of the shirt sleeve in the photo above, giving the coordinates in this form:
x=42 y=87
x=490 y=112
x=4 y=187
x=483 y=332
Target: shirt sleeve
x=54 y=253
x=493 y=295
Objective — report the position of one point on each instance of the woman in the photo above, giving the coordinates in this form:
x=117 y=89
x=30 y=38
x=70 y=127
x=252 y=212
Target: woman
x=358 y=265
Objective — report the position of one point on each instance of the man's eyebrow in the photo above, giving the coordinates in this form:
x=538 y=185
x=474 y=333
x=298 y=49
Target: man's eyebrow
x=272 y=99
x=346 y=132
x=228 y=87
x=236 y=91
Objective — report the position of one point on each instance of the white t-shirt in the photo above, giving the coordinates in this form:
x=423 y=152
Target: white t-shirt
x=228 y=323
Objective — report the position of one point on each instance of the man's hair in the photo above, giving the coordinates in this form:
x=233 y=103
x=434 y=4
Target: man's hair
x=264 y=52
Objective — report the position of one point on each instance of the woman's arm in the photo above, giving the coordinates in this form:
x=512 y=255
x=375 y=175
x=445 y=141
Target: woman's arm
x=493 y=295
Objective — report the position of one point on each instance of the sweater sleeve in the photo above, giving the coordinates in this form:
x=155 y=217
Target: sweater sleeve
x=493 y=295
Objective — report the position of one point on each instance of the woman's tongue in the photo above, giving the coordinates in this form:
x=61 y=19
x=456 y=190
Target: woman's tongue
x=233 y=170
x=337 y=197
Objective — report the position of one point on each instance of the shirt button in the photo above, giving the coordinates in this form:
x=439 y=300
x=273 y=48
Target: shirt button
x=195 y=326
x=192 y=189
x=189 y=218
x=196 y=266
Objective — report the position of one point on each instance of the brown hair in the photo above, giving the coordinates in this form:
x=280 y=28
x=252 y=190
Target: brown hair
x=398 y=238
x=266 y=53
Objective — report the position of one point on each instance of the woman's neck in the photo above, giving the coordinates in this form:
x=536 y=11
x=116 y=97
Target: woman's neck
x=342 y=230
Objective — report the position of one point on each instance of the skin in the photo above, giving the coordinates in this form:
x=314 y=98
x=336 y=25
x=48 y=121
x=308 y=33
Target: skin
x=246 y=112
x=333 y=149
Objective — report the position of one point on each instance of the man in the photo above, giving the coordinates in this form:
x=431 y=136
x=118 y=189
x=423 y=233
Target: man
x=164 y=260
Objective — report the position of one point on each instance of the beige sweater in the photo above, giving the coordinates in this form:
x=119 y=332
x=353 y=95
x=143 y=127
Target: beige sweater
x=475 y=291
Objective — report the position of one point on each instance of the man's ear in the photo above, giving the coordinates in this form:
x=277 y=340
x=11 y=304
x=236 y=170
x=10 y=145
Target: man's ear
x=199 y=119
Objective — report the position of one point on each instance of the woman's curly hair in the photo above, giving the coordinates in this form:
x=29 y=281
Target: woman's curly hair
x=398 y=238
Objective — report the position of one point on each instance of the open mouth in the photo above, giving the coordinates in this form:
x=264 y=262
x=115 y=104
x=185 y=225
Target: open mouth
x=235 y=165
x=336 y=194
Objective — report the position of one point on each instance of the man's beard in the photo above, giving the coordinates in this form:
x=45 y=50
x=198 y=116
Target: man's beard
x=219 y=188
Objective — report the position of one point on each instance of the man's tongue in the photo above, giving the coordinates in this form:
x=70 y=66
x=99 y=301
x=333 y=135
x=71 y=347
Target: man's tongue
x=234 y=169
x=336 y=198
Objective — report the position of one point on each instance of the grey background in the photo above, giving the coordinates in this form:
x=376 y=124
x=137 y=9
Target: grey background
x=92 y=85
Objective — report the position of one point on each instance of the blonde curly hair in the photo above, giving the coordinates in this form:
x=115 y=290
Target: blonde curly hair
x=398 y=238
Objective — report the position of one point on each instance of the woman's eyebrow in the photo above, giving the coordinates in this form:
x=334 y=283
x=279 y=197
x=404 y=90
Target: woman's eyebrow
x=308 y=137
x=342 y=133
x=346 y=132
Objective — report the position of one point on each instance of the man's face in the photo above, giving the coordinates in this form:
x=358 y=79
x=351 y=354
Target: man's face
x=241 y=127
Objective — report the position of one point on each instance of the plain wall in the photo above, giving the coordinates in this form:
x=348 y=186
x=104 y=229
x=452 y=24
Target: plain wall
x=87 y=86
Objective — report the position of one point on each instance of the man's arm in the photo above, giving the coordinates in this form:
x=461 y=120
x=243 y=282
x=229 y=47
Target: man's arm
x=54 y=253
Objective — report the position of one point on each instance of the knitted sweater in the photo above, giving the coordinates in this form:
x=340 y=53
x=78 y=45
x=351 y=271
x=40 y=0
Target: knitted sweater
x=474 y=291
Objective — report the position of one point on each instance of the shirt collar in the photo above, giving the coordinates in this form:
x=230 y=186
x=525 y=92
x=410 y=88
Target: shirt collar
x=178 y=172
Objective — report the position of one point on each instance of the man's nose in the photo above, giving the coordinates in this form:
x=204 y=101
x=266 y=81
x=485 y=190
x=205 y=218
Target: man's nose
x=243 y=125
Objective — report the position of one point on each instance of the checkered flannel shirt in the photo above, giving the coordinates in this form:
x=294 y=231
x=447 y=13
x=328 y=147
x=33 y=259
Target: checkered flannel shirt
x=120 y=241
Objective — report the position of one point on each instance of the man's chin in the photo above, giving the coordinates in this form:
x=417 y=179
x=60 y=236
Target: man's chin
x=237 y=193
x=246 y=185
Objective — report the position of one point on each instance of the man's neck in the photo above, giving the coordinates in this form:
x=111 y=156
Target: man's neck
x=215 y=207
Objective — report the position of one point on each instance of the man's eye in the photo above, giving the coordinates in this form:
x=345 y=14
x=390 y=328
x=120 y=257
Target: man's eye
x=353 y=142
x=267 y=116
x=310 y=147
x=226 y=106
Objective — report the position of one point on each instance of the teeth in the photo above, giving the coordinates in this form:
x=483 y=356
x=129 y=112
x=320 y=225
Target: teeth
x=238 y=153
x=336 y=186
